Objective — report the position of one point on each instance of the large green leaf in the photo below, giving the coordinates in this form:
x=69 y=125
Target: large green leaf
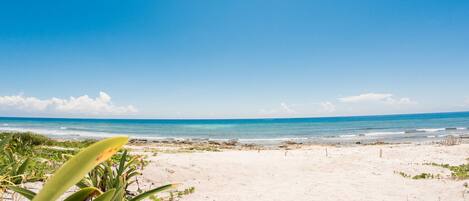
x=74 y=169
x=107 y=196
x=22 y=191
x=83 y=194
x=152 y=192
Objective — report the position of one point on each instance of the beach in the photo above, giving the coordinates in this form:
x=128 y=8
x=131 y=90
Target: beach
x=307 y=172
x=309 y=100
x=371 y=158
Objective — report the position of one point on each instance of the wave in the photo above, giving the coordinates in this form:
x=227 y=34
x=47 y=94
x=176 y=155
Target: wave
x=348 y=136
x=269 y=139
x=385 y=133
x=209 y=126
x=430 y=130
x=419 y=130
x=378 y=133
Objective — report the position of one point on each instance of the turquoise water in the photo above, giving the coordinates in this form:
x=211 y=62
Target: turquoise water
x=411 y=126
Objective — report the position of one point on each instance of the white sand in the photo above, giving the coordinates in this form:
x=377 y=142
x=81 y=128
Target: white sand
x=348 y=173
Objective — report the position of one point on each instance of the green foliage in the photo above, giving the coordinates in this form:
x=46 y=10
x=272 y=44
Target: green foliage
x=459 y=172
x=426 y=176
x=84 y=194
x=106 y=178
x=73 y=170
x=107 y=196
x=12 y=166
x=403 y=174
x=26 y=138
x=21 y=151
x=117 y=173
x=36 y=140
x=24 y=192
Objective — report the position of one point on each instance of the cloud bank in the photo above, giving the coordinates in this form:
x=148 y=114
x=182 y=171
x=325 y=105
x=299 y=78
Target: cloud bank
x=385 y=98
x=361 y=104
x=82 y=105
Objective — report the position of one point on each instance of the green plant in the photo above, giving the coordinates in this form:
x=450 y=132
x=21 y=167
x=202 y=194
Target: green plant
x=403 y=174
x=73 y=171
x=37 y=156
x=457 y=172
x=12 y=167
x=419 y=176
x=117 y=172
x=425 y=176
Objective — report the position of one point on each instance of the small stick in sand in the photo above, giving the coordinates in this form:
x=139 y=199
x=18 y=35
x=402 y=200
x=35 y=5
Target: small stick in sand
x=326 y=153
x=381 y=153
x=286 y=153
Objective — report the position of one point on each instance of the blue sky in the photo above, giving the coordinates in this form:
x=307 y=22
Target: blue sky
x=244 y=58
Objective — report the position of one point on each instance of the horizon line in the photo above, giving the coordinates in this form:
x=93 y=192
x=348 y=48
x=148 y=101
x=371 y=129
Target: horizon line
x=234 y=118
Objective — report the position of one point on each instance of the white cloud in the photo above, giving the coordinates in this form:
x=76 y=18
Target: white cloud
x=287 y=108
x=82 y=105
x=283 y=109
x=327 y=107
x=309 y=109
x=385 y=98
x=23 y=103
x=365 y=97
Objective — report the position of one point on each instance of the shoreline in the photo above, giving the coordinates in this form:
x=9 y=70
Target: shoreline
x=211 y=145
x=274 y=142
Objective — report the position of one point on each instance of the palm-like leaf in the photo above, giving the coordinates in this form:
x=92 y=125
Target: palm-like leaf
x=22 y=191
x=152 y=192
x=74 y=169
x=84 y=194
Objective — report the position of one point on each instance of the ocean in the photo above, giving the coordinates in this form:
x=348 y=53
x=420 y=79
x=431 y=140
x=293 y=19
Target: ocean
x=406 y=127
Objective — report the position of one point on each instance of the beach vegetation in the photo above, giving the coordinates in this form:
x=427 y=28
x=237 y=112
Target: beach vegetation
x=458 y=172
x=426 y=176
x=419 y=176
x=403 y=174
x=119 y=172
x=28 y=157
x=100 y=170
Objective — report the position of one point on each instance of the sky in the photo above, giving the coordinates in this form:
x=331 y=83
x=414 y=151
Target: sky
x=232 y=58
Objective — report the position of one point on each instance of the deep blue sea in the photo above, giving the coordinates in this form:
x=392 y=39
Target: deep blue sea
x=386 y=127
